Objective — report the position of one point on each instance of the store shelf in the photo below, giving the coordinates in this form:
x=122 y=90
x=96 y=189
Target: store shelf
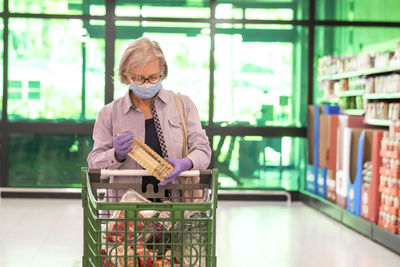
x=386 y=238
x=371 y=71
x=321 y=204
x=351 y=93
x=382 y=96
x=357 y=223
x=365 y=227
x=378 y=122
x=333 y=101
x=353 y=112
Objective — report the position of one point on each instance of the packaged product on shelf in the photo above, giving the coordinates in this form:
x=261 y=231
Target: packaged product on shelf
x=387 y=218
x=396 y=202
x=367 y=174
x=359 y=102
x=382 y=59
x=378 y=111
x=342 y=102
x=394 y=129
x=323 y=64
x=395 y=59
x=390 y=201
x=344 y=85
x=369 y=85
x=389 y=183
x=382 y=181
x=394 y=111
x=351 y=64
x=366 y=180
x=396 y=82
x=384 y=109
x=357 y=83
x=382 y=85
x=350 y=102
x=328 y=65
x=395 y=183
x=370 y=112
x=340 y=64
x=327 y=87
x=377 y=84
x=364 y=61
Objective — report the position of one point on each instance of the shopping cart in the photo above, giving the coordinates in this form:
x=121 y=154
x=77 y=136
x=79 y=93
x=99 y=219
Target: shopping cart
x=174 y=232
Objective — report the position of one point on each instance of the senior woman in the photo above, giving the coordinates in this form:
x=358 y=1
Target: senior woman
x=149 y=112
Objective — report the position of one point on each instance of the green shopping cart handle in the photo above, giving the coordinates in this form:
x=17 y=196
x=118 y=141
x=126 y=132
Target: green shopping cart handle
x=106 y=173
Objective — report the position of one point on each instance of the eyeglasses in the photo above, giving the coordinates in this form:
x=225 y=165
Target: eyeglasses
x=139 y=79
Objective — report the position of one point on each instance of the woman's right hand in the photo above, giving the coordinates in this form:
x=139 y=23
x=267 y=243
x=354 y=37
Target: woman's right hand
x=122 y=145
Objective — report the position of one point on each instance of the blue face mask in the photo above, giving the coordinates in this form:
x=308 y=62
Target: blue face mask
x=145 y=91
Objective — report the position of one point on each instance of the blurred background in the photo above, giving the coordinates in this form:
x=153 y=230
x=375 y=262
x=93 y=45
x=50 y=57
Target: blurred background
x=247 y=64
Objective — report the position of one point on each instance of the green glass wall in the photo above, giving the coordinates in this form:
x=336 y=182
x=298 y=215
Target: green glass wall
x=262 y=9
x=164 y=9
x=39 y=160
x=255 y=75
x=259 y=162
x=62 y=66
x=70 y=7
x=1 y=61
x=358 y=10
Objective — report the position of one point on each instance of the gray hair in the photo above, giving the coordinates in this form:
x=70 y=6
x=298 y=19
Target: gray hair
x=138 y=54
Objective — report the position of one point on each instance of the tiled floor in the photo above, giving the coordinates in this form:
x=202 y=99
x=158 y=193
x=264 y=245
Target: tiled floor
x=48 y=232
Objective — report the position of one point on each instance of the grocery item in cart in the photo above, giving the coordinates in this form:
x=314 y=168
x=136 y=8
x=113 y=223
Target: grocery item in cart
x=149 y=240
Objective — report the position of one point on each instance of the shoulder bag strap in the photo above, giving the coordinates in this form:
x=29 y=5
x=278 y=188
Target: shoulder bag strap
x=178 y=102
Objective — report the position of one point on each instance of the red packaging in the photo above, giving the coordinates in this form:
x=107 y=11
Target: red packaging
x=371 y=198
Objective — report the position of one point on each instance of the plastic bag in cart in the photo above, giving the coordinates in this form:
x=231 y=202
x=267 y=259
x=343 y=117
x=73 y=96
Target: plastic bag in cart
x=157 y=237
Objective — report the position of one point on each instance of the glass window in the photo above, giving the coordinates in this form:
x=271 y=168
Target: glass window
x=69 y=7
x=47 y=160
x=358 y=10
x=259 y=162
x=166 y=8
x=187 y=51
x=1 y=64
x=56 y=70
x=257 y=76
x=262 y=9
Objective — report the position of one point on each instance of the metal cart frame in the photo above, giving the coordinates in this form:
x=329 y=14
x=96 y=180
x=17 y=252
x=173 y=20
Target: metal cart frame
x=94 y=252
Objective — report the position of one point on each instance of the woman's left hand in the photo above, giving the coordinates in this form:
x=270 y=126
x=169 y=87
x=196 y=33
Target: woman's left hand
x=180 y=165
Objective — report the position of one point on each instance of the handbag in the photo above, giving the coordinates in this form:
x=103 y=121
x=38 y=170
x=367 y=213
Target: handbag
x=189 y=195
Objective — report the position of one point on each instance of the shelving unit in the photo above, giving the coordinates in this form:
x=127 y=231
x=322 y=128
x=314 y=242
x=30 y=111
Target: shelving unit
x=353 y=112
x=378 y=122
x=346 y=87
x=333 y=101
x=351 y=93
x=371 y=71
x=382 y=96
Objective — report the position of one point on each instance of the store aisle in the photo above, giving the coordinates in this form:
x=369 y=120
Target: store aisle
x=271 y=234
x=42 y=232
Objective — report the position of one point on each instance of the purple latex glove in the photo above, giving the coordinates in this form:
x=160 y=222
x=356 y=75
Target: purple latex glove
x=122 y=143
x=180 y=165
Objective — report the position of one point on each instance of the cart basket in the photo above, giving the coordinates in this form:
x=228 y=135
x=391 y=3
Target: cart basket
x=171 y=230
